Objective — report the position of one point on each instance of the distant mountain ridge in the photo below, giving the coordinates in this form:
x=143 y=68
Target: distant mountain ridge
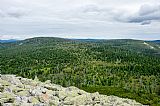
x=8 y=41
x=35 y=39
x=156 y=41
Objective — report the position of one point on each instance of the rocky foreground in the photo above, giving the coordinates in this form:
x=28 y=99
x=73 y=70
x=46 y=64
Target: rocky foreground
x=18 y=91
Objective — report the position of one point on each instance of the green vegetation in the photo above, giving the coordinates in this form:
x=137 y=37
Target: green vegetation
x=126 y=68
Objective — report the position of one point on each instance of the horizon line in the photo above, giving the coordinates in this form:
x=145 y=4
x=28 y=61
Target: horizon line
x=81 y=38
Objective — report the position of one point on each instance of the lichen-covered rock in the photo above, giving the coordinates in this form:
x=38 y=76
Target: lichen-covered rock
x=4 y=83
x=83 y=99
x=52 y=87
x=7 y=97
x=18 y=91
x=21 y=99
x=12 y=79
x=23 y=93
x=33 y=100
x=1 y=88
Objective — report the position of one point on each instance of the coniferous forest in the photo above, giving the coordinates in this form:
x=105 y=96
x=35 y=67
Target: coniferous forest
x=125 y=68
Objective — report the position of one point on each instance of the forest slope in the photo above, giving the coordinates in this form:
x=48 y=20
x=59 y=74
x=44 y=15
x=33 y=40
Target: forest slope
x=128 y=68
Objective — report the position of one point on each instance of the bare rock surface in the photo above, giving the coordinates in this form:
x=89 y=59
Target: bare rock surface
x=18 y=91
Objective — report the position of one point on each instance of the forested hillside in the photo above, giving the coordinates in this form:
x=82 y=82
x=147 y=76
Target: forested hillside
x=126 y=68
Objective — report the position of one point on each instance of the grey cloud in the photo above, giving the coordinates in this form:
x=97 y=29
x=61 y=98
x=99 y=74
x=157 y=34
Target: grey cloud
x=146 y=22
x=13 y=11
x=10 y=14
x=148 y=9
x=145 y=15
x=15 y=15
x=90 y=8
x=91 y=12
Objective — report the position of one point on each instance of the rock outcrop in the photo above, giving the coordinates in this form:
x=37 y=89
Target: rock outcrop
x=18 y=91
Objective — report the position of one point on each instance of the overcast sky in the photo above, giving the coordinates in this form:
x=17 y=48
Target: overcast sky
x=108 y=19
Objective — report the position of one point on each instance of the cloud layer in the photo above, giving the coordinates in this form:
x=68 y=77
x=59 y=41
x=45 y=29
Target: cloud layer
x=146 y=14
x=80 y=18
